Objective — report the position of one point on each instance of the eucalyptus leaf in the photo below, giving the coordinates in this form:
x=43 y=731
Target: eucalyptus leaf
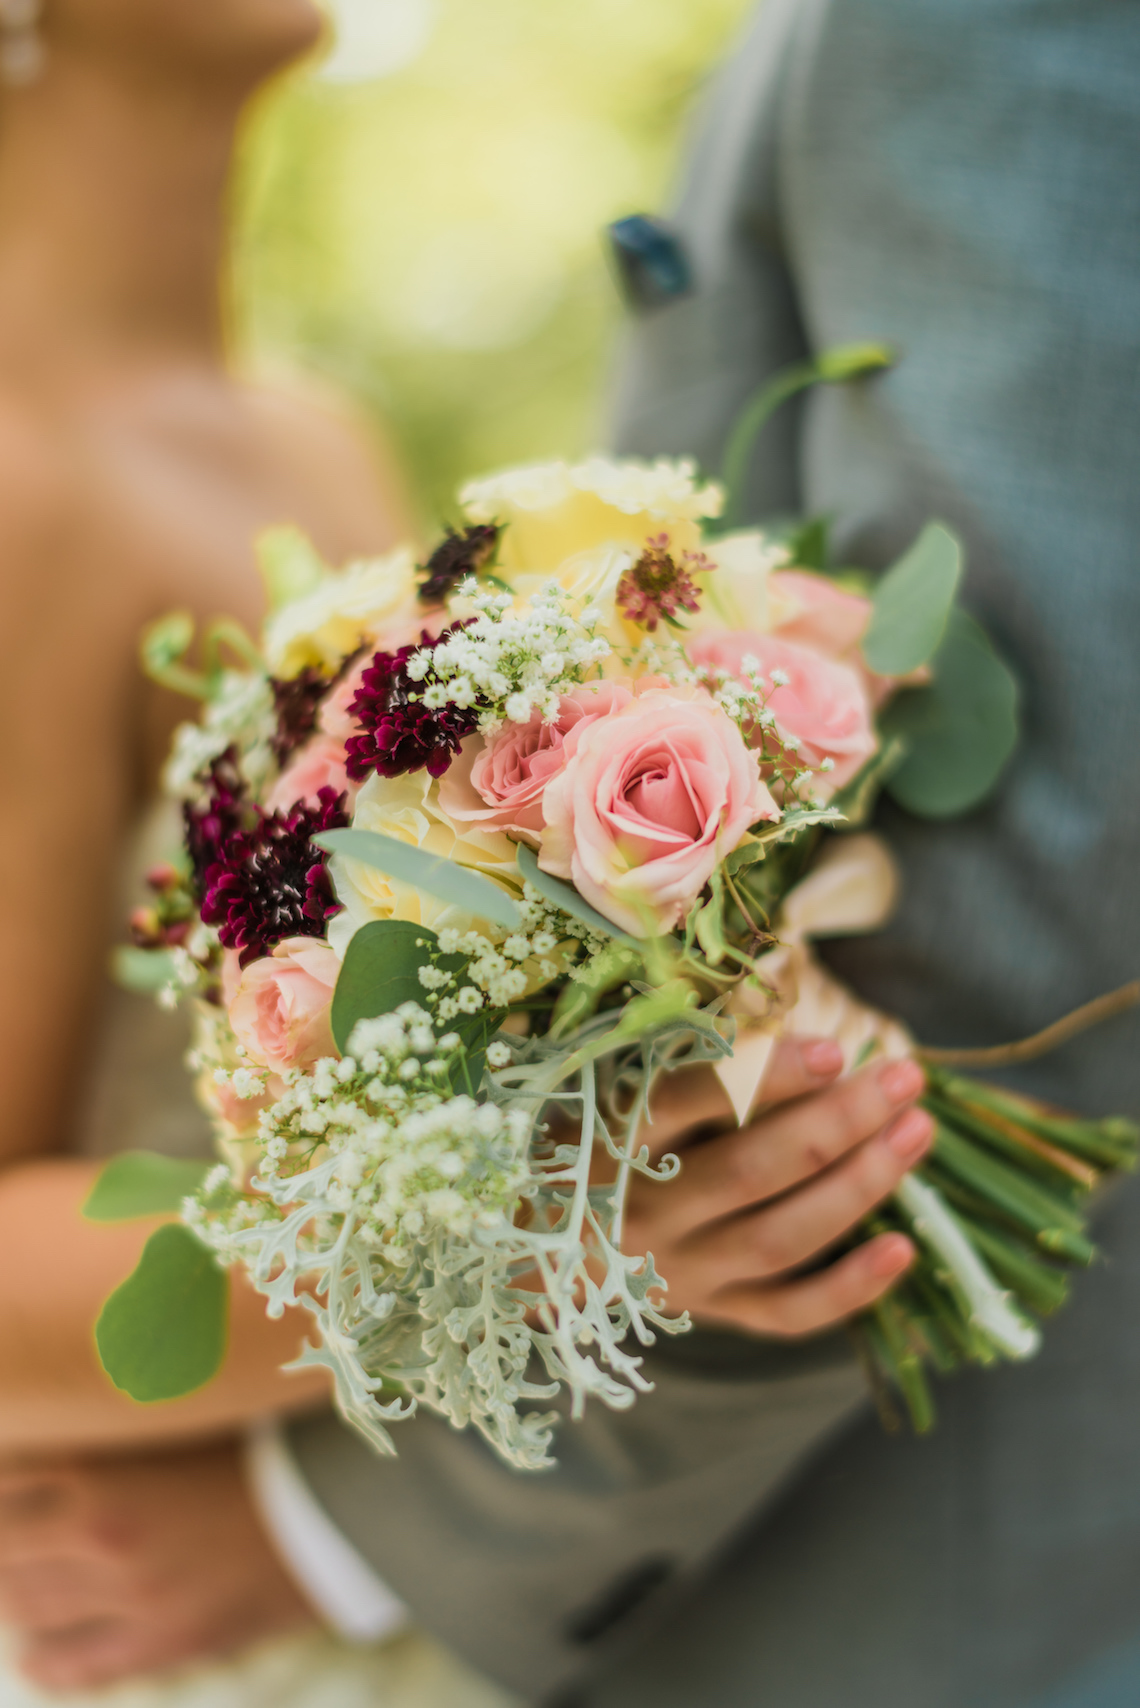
x=163 y=1332
x=442 y=878
x=142 y=1183
x=566 y=897
x=381 y=971
x=958 y=732
x=857 y=800
x=143 y=971
x=912 y=604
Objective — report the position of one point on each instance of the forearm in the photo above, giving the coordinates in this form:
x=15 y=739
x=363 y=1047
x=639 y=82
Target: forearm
x=55 y=1272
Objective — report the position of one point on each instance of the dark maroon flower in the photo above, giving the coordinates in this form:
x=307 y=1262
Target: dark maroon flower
x=398 y=732
x=657 y=586
x=455 y=558
x=269 y=881
x=227 y=810
x=296 y=703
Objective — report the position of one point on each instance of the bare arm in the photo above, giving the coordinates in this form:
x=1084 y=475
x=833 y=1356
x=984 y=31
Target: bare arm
x=65 y=782
x=55 y=1271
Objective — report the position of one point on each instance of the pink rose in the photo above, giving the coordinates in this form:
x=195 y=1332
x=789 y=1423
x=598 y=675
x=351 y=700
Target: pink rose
x=823 y=704
x=333 y=718
x=498 y=783
x=826 y=618
x=650 y=799
x=834 y=622
x=318 y=765
x=281 y=1012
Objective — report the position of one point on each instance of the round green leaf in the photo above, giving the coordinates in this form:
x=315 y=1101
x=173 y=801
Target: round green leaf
x=163 y=1332
x=141 y=1183
x=959 y=732
x=912 y=604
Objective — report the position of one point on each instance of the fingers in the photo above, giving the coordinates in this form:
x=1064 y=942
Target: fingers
x=817 y=1302
x=778 y=1151
x=693 y=1098
x=789 y=1232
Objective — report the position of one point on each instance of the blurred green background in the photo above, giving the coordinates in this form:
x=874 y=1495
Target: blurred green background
x=419 y=215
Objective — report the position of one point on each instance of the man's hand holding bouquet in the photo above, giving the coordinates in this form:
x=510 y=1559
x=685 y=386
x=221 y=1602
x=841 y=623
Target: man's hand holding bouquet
x=490 y=865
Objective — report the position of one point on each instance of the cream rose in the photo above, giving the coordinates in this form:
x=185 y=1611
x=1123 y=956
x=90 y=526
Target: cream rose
x=280 y=1013
x=408 y=808
x=819 y=702
x=348 y=607
x=649 y=801
x=554 y=511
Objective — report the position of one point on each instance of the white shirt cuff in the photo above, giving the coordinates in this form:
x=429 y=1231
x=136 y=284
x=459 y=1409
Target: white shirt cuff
x=339 y=1583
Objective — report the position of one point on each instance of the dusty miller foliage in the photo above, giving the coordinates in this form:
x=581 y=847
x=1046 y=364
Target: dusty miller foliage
x=389 y=1208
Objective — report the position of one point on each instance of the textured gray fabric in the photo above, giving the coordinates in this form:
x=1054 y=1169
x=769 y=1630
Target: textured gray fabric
x=959 y=177
x=534 y=1577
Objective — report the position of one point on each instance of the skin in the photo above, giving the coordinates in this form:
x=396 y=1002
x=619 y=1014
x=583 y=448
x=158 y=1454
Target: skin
x=134 y=471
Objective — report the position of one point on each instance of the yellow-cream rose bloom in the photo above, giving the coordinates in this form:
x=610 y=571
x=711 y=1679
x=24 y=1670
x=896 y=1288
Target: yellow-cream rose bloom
x=555 y=511
x=408 y=809
x=347 y=608
x=736 y=592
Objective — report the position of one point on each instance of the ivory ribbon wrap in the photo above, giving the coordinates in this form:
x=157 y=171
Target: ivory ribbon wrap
x=851 y=889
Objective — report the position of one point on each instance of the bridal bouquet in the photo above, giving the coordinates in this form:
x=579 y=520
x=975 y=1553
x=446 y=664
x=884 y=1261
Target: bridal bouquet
x=475 y=853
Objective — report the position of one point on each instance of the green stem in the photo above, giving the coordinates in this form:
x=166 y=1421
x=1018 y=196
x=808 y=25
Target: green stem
x=831 y=367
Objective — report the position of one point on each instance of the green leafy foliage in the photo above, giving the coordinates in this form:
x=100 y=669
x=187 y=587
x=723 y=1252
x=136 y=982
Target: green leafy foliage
x=566 y=897
x=912 y=604
x=143 y=971
x=959 y=732
x=163 y=1332
x=810 y=543
x=142 y=1183
x=162 y=647
x=290 y=565
x=380 y=971
x=450 y=882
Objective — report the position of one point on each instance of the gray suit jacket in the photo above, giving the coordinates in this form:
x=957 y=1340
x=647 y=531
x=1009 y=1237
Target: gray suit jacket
x=958 y=177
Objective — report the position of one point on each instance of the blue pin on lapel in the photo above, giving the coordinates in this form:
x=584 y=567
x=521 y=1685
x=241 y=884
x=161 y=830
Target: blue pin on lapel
x=652 y=266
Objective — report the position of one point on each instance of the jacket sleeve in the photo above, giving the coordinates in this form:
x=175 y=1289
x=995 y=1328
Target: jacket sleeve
x=536 y=1577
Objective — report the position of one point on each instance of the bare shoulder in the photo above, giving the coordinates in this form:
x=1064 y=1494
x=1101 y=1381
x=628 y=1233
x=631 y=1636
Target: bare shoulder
x=336 y=449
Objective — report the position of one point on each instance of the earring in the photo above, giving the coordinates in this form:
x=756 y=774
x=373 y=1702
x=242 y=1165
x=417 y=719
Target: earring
x=22 y=52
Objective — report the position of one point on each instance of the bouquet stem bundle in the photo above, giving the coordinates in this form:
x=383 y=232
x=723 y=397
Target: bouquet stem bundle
x=1019 y=1178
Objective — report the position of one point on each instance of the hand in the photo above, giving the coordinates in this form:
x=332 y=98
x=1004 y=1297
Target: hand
x=752 y=1206
x=115 y=1567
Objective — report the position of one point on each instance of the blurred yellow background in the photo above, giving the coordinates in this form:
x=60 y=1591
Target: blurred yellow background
x=420 y=214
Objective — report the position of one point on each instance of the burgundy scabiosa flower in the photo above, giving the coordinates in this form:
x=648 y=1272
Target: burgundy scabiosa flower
x=269 y=881
x=296 y=702
x=455 y=558
x=210 y=825
x=658 y=586
x=398 y=733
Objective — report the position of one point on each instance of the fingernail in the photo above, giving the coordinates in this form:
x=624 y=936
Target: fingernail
x=901 y=1080
x=911 y=1135
x=822 y=1058
x=892 y=1254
